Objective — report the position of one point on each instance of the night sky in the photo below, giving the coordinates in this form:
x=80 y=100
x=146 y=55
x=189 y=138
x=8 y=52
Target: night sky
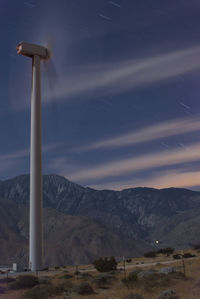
x=121 y=108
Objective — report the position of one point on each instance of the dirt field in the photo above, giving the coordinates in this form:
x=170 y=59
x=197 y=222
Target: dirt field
x=62 y=281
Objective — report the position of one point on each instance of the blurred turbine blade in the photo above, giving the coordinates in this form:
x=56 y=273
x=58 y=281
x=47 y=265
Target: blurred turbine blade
x=52 y=75
x=51 y=72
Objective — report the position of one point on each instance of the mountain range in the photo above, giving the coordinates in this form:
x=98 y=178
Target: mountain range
x=81 y=224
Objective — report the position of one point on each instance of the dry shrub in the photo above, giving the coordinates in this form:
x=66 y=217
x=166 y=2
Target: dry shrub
x=42 y=291
x=24 y=282
x=44 y=280
x=177 y=275
x=105 y=264
x=66 y=276
x=147 y=283
x=131 y=279
x=155 y=280
x=101 y=280
x=83 y=288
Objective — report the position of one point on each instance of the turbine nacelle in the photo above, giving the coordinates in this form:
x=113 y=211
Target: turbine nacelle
x=31 y=50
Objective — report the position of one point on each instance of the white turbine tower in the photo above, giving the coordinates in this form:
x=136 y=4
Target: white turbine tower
x=37 y=53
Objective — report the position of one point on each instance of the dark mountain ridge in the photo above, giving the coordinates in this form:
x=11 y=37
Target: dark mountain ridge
x=138 y=213
x=67 y=239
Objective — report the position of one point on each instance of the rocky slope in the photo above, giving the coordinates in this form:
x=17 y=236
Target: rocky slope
x=138 y=213
x=67 y=239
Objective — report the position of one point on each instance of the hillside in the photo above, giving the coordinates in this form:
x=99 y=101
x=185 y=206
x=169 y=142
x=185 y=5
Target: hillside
x=138 y=213
x=68 y=239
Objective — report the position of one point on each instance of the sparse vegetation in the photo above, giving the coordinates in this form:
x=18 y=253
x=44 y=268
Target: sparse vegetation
x=42 y=291
x=131 y=279
x=66 y=276
x=155 y=280
x=44 y=280
x=177 y=256
x=100 y=281
x=128 y=260
x=177 y=275
x=188 y=255
x=105 y=264
x=83 y=288
x=145 y=282
x=167 y=250
x=24 y=282
x=103 y=280
x=150 y=254
x=150 y=280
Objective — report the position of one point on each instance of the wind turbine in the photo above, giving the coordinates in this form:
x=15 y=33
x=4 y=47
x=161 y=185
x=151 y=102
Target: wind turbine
x=36 y=53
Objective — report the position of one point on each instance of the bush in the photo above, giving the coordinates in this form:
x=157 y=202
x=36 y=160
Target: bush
x=65 y=285
x=103 y=279
x=188 y=255
x=150 y=254
x=131 y=279
x=100 y=280
x=24 y=282
x=105 y=264
x=44 y=280
x=167 y=250
x=42 y=291
x=129 y=260
x=177 y=256
x=83 y=288
x=149 y=280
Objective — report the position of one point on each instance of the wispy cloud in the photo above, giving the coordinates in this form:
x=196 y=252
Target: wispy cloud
x=11 y=160
x=26 y=152
x=136 y=163
x=118 y=77
x=152 y=132
x=63 y=165
x=160 y=180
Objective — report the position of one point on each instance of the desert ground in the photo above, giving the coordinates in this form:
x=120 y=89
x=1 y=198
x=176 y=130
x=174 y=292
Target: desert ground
x=64 y=282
